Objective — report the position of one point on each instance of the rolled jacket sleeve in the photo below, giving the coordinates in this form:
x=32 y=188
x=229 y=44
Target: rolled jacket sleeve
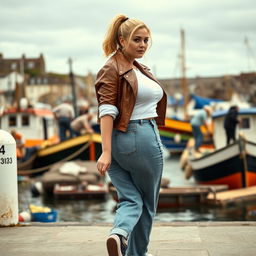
x=107 y=109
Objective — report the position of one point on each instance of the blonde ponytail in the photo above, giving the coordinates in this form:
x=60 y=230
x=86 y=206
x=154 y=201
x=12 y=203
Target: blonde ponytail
x=121 y=25
x=111 y=42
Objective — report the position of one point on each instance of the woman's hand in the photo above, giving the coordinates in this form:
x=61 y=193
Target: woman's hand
x=104 y=162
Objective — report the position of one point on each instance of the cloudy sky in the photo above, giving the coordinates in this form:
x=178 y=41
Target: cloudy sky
x=215 y=33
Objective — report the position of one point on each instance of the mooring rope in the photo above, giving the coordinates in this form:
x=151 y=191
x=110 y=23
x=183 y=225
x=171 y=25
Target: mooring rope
x=41 y=169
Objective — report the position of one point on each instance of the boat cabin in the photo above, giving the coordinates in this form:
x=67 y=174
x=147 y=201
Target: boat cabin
x=35 y=125
x=246 y=127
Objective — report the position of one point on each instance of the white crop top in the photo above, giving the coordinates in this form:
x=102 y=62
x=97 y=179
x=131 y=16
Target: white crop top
x=149 y=94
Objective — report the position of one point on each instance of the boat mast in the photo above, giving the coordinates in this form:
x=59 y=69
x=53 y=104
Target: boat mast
x=183 y=73
x=72 y=82
x=251 y=59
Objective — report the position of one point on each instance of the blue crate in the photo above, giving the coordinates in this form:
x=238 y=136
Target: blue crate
x=45 y=216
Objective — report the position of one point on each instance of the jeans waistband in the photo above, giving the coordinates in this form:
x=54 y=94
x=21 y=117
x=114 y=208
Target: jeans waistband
x=141 y=121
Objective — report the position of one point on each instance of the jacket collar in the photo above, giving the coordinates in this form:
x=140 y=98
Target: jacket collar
x=124 y=65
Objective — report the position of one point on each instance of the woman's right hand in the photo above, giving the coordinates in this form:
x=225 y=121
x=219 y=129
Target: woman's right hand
x=104 y=162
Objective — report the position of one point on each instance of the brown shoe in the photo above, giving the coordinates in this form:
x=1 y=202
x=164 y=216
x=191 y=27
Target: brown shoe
x=116 y=245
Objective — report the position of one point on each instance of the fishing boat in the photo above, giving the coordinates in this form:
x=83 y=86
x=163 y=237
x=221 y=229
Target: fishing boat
x=177 y=130
x=175 y=134
x=73 y=179
x=37 y=125
x=234 y=164
x=84 y=147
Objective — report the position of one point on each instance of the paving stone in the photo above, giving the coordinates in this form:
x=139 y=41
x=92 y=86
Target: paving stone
x=181 y=252
x=173 y=239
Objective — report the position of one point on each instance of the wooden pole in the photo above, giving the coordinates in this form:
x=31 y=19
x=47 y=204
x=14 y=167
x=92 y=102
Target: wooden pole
x=243 y=156
x=72 y=82
x=183 y=73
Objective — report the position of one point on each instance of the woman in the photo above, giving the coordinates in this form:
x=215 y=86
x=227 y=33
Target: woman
x=131 y=104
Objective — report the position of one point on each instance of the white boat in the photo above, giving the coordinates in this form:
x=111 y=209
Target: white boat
x=35 y=124
x=234 y=164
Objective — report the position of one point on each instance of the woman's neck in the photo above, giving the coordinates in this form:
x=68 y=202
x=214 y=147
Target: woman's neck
x=129 y=59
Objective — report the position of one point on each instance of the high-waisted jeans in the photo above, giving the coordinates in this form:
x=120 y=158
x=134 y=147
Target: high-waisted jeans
x=136 y=171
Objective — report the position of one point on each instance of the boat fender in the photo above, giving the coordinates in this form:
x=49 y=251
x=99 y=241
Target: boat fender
x=37 y=189
x=184 y=159
x=24 y=216
x=188 y=171
x=177 y=138
x=165 y=183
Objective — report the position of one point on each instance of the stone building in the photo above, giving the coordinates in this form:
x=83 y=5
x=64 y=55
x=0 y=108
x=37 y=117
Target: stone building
x=31 y=66
x=221 y=87
x=53 y=88
x=9 y=83
x=39 y=85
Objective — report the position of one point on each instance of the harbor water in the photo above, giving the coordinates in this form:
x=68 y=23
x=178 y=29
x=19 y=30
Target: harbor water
x=103 y=211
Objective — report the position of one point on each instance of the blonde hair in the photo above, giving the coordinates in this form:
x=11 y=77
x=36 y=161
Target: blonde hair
x=121 y=25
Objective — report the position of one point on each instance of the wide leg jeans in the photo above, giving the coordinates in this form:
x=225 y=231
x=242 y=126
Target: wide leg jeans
x=136 y=171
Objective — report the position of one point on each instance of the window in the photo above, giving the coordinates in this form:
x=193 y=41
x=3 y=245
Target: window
x=25 y=120
x=14 y=66
x=12 y=121
x=245 y=123
x=32 y=81
x=31 y=64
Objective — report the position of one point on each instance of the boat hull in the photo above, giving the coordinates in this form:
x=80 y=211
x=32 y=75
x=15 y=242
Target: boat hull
x=175 y=134
x=250 y=149
x=229 y=165
x=84 y=147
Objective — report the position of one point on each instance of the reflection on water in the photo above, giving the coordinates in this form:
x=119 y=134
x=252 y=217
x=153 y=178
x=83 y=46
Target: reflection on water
x=245 y=212
x=104 y=210
x=70 y=210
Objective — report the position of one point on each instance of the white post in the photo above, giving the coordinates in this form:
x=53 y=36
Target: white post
x=8 y=180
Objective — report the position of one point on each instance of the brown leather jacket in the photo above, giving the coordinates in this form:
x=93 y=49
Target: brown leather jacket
x=117 y=85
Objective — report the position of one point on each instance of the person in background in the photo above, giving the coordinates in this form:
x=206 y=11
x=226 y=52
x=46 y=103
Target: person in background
x=19 y=143
x=230 y=123
x=81 y=124
x=131 y=105
x=199 y=119
x=64 y=113
x=23 y=153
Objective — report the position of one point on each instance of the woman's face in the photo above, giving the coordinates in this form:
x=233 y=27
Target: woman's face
x=137 y=45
